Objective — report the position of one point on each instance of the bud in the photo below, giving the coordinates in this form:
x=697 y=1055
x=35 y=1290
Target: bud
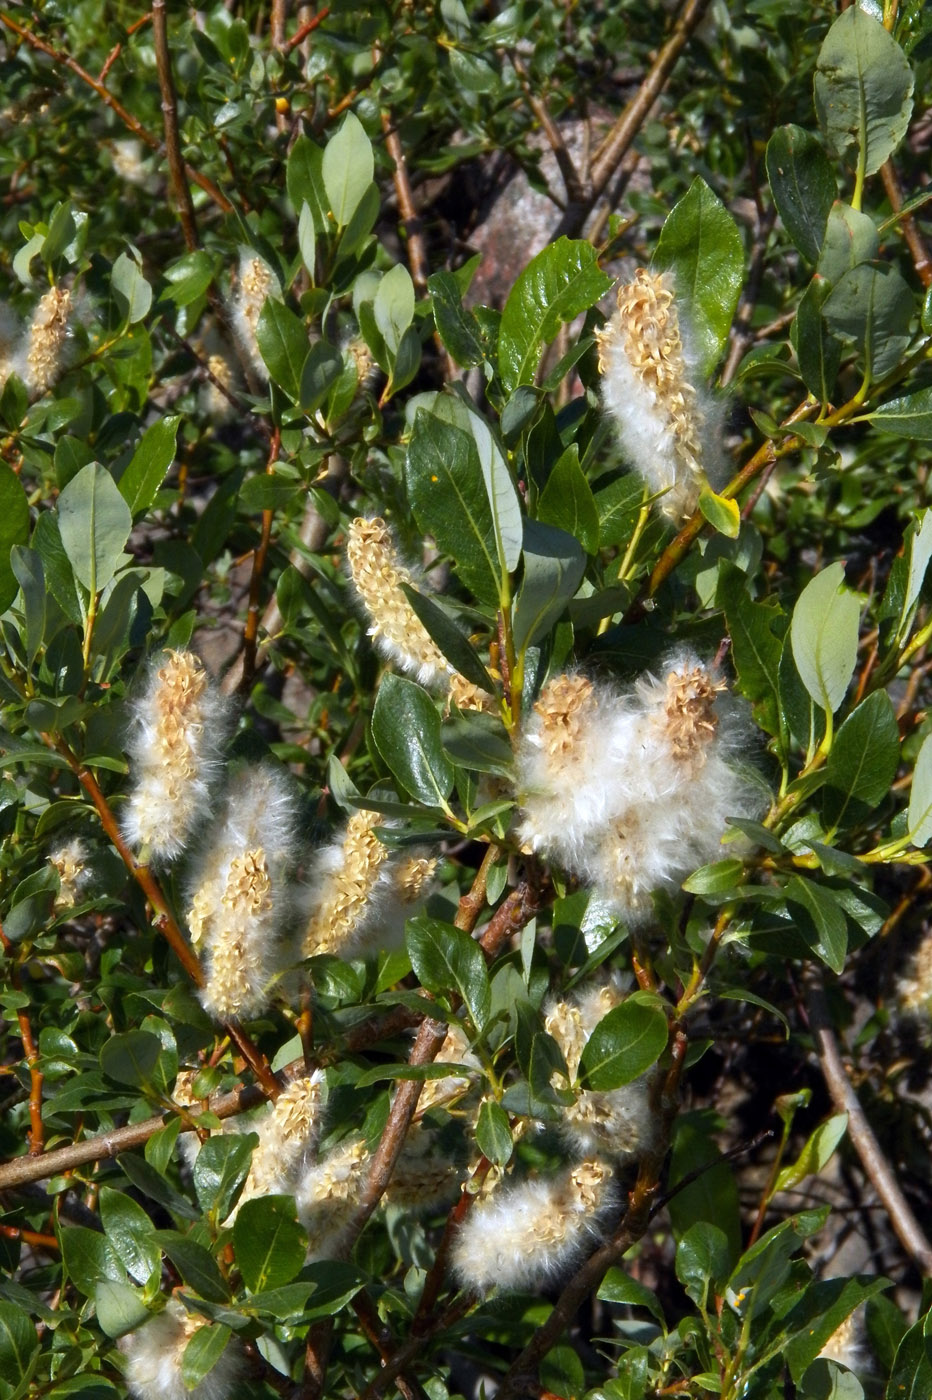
x=154 y=1355
x=524 y=1234
x=398 y=633
x=647 y=390
x=240 y=896
x=360 y=894
x=179 y=725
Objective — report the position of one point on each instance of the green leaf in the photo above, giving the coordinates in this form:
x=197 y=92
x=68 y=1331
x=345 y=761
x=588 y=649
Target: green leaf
x=911 y=1377
x=119 y=1307
x=94 y=522
x=305 y=182
x=18 y=1342
x=909 y=417
x=447 y=492
x=554 y=564
x=503 y=497
x=131 y=1058
x=47 y=542
x=220 y=1170
x=89 y=1257
x=195 y=1264
x=625 y=1043
x=756 y=645
x=700 y=244
x=446 y=959
x=131 y=291
x=919 y=819
x=828 y=920
x=873 y=306
x=559 y=283
x=713 y=1195
x=817 y=350
x=862 y=763
x=820 y=1311
x=765 y=1267
x=320 y=371
x=828 y=1380
x=824 y=636
x=458 y=649
x=817 y=1151
x=850 y=239
x=347 y=168
x=722 y=514
x=27 y=566
x=14 y=529
x=863 y=90
x=393 y=307
x=703 y=1260
x=129 y=1230
x=493 y=1133
x=619 y=1287
x=282 y=341
x=803 y=186
x=148 y=465
x=406 y=731
x=567 y=501
x=715 y=879
x=458 y=328
x=269 y=1243
x=204 y=1350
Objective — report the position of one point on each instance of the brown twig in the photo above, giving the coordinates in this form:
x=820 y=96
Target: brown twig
x=914 y=240
x=31 y=1237
x=616 y=143
x=414 y=1346
x=411 y=221
x=519 y=908
x=306 y=28
x=434 y=1281
x=576 y=193
x=31 y=1056
x=879 y=1172
x=251 y=628
x=126 y=117
x=163 y=63
x=380 y=1337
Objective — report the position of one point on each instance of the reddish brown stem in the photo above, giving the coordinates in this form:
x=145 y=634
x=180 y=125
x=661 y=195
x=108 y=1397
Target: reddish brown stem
x=914 y=240
x=380 y=1337
x=31 y=1056
x=306 y=28
x=518 y=909
x=126 y=117
x=32 y=1237
x=163 y=63
x=434 y=1281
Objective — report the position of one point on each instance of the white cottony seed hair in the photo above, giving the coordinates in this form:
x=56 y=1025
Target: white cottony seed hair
x=288 y=1134
x=528 y=1232
x=179 y=726
x=633 y=791
x=154 y=1355
x=327 y=1195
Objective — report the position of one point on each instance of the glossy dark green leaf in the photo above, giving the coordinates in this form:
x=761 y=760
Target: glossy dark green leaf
x=618 y=505
x=406 y=731
x=129 y=1230
x=863 y=90
x=757 y=645
x=89 y=1257
x=282 y=341
x=703 y=1260
x=450 y=502
x=269 y=1244
x=18 y=1342
x=305 y=181
x=625 y=1043
x=911 y=1377
x=765 y=1267
x=458 y=327
x=567 y=502
x=221 y=1168
x=195 y=1264
x=319 y=373
x=619 y=1287
x=26 y=564
x=862 y=763
x=457 y=648
x=873 y=306
x=712 y=1196
x=347 y=168
x=824 y=636
x=908 y=417
x=821 y=1310
x=827 y=918
x=554 y=564
x=131 y=1058
x=493 y=1133
x=94 y=522
x=818 y=351
x=700 y=244
x=802 y=183
x=119 y=1307
x=203 y=1351
x=559 y=283
x=479 y=741
x=149 y=464
x=14 y=529
x=446 y=959
x=59 y=575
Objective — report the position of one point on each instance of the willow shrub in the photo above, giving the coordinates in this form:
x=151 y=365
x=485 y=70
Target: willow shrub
x=356 y=1000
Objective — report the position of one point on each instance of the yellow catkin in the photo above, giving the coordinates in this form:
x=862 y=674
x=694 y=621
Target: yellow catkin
x=345 y=902
x=234 y=983
x=46 y=340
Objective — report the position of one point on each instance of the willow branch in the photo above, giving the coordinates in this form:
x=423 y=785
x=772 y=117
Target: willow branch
x=126 y=117
x=531 y=895
x=251 y=628
x=879 y=1172
x=163 y=63
x=922 y=262
x=611 y=152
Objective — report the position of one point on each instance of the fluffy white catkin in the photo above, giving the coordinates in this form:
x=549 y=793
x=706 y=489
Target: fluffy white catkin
x=377 y=573
x=241 y=900
x=154 y=1354
x=528 y=1232
x=179 y=725
x=632 y=791
x=254 y=284
x=648 y=387
x=288 y=1133
x=38 y=361
x=327 y=1195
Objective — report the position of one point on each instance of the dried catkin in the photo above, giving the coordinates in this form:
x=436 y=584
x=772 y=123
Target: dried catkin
x=648 y=388
x=377 y=574
x=179 y=726
x=528 y=1232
